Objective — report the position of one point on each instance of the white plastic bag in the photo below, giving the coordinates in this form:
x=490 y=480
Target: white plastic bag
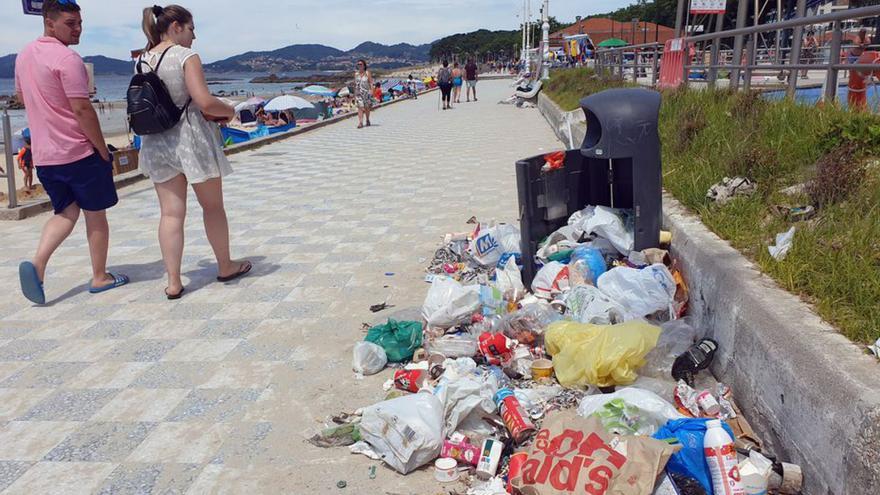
x=463 y=393
x=641 y=291
x=652 y=411
x=588 y=304
x=449 y=303
x=551 y=279
x=607 y=223
x=368 y=358
x=784 y=242
x=407 y=432
x=494 y=241
x=509 y=278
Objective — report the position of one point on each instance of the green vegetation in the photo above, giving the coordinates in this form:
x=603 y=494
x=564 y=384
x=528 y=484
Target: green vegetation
x=707 y=135
x=498 y=44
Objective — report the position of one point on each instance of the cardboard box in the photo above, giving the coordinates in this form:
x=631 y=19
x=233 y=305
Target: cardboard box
x=125 y=160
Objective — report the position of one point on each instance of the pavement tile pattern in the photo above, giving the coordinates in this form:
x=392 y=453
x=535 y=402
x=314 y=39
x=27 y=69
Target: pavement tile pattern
x=127 y=393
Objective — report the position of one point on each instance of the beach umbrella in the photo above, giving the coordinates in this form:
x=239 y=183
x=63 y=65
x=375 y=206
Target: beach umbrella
x=287 y=102
x=612 y=43
x=318 y=90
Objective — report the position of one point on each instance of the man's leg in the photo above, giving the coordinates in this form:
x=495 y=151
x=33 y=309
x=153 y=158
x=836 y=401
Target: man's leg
x=98 y=234
x=54 y=232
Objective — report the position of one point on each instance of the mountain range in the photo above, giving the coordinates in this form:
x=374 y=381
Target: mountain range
x=289 y=58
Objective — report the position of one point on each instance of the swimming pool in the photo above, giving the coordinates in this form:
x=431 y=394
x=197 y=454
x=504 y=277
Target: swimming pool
x=812 y=95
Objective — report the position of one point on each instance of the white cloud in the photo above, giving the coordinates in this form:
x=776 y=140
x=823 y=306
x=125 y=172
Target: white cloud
x=225 y=28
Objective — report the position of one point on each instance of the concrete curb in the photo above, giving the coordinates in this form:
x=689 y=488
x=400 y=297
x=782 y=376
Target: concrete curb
x=33 y=208
x=811 y=394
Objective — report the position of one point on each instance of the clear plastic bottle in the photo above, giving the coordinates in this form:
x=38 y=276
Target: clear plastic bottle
x=721 y=457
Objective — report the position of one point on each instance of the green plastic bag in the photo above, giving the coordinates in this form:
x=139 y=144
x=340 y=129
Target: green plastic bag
x=400 y=339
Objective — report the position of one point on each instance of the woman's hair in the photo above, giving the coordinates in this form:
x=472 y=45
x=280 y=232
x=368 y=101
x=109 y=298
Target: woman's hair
x=445 y=63
x=455 y=64
x=157 y=21
x=362 y=61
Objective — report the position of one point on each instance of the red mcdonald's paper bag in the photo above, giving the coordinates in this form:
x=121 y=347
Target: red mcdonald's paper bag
x=572 y=454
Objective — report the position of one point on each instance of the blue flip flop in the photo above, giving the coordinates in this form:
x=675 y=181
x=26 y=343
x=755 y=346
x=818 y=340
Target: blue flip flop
x=118 y=281
x=31 y=286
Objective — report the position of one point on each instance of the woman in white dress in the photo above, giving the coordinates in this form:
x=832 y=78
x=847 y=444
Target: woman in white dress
x=190 y=152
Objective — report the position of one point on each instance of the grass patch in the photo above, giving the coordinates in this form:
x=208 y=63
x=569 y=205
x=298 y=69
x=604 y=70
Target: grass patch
x=707 y=135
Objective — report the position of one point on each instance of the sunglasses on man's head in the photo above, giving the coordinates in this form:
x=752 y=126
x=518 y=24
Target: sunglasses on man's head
x=67 y=2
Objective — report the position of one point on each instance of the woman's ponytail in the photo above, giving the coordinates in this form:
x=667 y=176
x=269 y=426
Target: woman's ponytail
x=157 y=21
x=151 y=28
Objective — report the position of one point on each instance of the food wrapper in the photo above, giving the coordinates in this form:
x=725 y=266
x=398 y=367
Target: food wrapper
x=571 y=454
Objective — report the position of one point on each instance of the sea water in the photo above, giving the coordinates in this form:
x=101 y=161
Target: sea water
x=113 y=88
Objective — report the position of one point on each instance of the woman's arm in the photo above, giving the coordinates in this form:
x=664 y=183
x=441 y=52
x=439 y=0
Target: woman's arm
x=370 y=77
x=197 y=87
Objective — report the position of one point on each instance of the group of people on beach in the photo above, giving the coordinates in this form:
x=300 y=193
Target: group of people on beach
x=74 y=164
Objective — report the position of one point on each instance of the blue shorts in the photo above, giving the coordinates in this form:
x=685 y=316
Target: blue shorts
x=87 y=182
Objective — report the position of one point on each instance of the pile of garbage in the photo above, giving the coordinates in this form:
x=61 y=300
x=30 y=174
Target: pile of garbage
x=591 y=380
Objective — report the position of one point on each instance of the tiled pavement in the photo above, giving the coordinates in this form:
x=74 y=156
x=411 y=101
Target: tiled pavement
x=126 y=392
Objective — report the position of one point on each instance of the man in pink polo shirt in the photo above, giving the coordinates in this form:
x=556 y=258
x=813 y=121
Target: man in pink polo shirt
x=69 y=152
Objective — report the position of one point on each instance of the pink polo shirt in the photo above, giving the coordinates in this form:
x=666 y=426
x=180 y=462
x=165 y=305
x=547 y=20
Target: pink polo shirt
x=47 y=73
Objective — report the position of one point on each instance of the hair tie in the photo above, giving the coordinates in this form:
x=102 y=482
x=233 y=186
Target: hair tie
x=157 y=11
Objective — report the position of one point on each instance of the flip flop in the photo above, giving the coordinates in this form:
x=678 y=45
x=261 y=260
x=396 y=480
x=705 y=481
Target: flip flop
x=243 y=269
x=118 y=281
x=31 y=286
x=173 y=297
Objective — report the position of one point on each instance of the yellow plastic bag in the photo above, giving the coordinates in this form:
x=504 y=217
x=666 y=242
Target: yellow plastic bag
x=600 y=355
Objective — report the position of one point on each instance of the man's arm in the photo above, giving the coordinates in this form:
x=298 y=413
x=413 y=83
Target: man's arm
x=88 y=122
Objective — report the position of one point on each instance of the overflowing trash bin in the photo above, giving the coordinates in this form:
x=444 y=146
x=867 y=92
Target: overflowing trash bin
x=617 y=166
x=558 y=357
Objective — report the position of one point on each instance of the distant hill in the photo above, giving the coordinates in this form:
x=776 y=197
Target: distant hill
x=401 y=50
x=7 y=66
x=103 y=65
x=322 y=57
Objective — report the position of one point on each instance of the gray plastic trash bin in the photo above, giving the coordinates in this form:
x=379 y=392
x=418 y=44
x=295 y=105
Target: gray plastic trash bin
x=618 y=165
x=622 y=137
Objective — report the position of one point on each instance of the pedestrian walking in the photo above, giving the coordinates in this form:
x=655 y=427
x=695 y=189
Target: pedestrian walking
x=444 y=81
x=470 y=76
x=363 y=96
x=72 y=160
x=191 y=151
x=413 y=89
x=457 y=83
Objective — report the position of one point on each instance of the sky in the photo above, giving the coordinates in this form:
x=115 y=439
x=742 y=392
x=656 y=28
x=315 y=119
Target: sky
x=225 y=28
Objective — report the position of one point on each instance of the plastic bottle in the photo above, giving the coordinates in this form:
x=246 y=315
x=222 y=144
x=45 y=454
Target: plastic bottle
x=697 y=358
x=721 y=456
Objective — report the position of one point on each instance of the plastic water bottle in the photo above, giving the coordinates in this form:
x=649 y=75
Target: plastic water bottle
x=721 y=457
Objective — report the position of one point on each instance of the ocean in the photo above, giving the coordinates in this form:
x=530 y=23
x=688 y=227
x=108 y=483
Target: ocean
x=113 y=88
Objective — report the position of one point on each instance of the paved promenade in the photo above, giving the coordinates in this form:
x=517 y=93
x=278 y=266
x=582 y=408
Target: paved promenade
x=126 y=392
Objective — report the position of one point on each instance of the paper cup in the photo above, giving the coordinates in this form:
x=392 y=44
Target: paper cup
x=446 y=470
x=542 y=368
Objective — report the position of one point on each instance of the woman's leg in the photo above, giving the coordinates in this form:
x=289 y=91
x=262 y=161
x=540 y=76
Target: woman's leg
x=172 y=203
x=210 y=195
x=360 y=116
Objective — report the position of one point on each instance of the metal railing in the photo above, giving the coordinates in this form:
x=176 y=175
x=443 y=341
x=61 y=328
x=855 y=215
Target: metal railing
x=710 y=58
x=10 y=165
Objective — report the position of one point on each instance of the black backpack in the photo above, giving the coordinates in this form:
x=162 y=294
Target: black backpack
x=151 y=109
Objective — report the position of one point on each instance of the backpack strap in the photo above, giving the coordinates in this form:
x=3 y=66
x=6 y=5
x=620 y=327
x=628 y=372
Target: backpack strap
x=154 y=69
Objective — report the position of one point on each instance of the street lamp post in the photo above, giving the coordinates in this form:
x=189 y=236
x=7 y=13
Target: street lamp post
x=546 y=40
